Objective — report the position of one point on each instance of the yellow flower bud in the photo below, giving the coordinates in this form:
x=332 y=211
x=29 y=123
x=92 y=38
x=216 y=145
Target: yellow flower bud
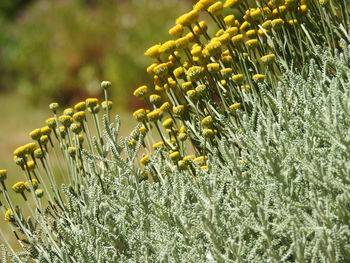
x=168 y=123
x=238 y=78
x=176 y=31
x=141 y=91
x=153 y=52
x=216 y=9
x=188 y=18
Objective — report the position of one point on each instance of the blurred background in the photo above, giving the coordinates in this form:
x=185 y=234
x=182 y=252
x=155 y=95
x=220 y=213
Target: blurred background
x=60 y=50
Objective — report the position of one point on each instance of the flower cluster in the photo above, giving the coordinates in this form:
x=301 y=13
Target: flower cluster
x=204 y=72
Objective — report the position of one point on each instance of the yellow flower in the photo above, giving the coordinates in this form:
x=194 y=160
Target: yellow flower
x=80 y=106
x=140 y=115
x=215 y=9
x=29 y=147
x=231 y=3
x=277 y=23
x=79 y=116
x=252 y=43
x=168 y=123
x=179 y=110
x=91 y=102
x=167 y=47
x=267 y=24
x=157 y=145
x=182 y=42
x=188 y=18
x=3 y=175
x=19 y=187
x=161 y=69
x=31 y=165
x=153 y=52
x=35 y=134
x=154 y=115
x=66 y=120
x=207 y=121
x=175 y=156
x=208 y=133
x=46 y=130
x=51 y=122
x=235 y=106
x=141 y=91
x=20 y=152
x=245 y=87
x=258 y=77
x=145 y=160
x=237 y=39
x=213 y=67
x=203 y=5
x=176 y=31
x=194 y=73
x=68 y=111
x=238 y=78
x=201 y=160
x=154 y=98
x=229 y=20
x=268 y=59
x=244 y=25
x=165 y=106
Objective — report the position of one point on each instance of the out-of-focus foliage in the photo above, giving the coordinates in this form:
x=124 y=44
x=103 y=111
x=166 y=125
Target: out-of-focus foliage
x=61 y=49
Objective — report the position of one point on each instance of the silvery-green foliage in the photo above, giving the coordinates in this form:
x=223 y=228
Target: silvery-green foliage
x=277 y=189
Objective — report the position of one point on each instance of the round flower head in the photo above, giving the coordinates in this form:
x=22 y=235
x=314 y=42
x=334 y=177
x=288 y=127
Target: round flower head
x=183 y=164
x=245 y=87
x=151 y=68
x=201 y=160
x=107 y=105
x=145 y=160
x=238 y=78
x=255 y=13
x=203 y=5
x=293 y=21
x=30 y=165
x=267 y=24
x=3 y=175
x=153 y=52
x=192 y=94
x=165 y=106
x=182 y=42
x=251 y=33
x=20 y=152
x=179 y=73
x=208 y=133
x=65 y=120
x=277 y=23
x=29 y=147
x=231 y=3
x=252 y=43
x=106 y=85
x=46 y=130
x=39 y=154
x=303 y=8
x=19 y=187
x=9 y=216
x=62 y=131
x=196 y=50
x=188 y=18
x=268 y=59
x=226 y=72
x=175 y=156
x=186 y=86
x=141 y=91
x=176 y=31
x=213 y=48
x=237 y=39
x=216 y=9
x=35 y=134
x=158 y=145
x=229 y=20
x=168 y=47
x=68 y=111
x=79 y=116
x=224 y=38
x=258 y=77
x=213 y=67
x=80 y=106
x=44 y=139
x=91 y=102
x=194 y=73
x=54 y=106
x=207 y=121
x=76 y=128
x=154 y=115
x=168 y=123
x=140 y=115
x=179 y=110
x=155 y=99
x=161 y=69
x=51 y=122
x=245 y=25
